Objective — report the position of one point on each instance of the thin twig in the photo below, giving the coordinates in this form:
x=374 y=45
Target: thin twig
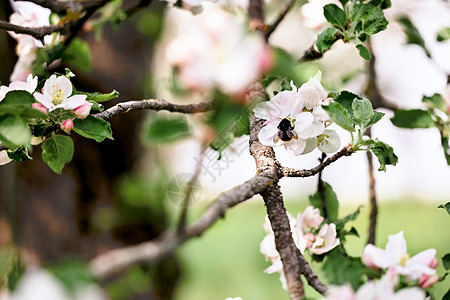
x=113 y=261
x=284 y=10
x=256 y=14
x=322 y=190
x=36 y=32
x=290 y=172
x=154 y=104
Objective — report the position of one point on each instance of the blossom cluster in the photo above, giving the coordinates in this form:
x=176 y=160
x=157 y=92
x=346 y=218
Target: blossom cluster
x=216 y=50
x=297 y=120
x=306 y=235
x=56 y=94
x=419 y=269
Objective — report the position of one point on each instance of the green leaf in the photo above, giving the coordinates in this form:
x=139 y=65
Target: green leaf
x=339 y=268
x=93 y=128
x=267 y=80
x=383 y=4
x=19 y=154
x=446 y=147
x=363 y=52
x=334 y=15
x=362 y=111
x=57 y=151
x=443 y=34
x=376 y=117
x=412 y=118
x=350 y=217
x=99 y=97
x=14 y=131
x=96 y=106
x=19 y=103
x=345 y=98
x=17 y=98
x=368 y=19
x=325 y=39
x=340 y=116
x=435 y=101
x=446 y=206
x=446 y=260
x=413 y=35
x=331 y=202
x=447 y=295
x=78 y=55
x=73 y=274
x=384 y=153
x=165 y=130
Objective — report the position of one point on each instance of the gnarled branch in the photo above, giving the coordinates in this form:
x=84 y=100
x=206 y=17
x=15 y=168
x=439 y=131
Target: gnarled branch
x=36 y=32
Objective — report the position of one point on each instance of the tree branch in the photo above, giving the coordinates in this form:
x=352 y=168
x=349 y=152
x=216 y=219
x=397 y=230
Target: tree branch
x=154 y=104
x=285 y=9
x=256 y=14
x=290 y=172
x=113 y=261
x=311 y=277
x=59 y=6
x=313 y=54
x=36 y=32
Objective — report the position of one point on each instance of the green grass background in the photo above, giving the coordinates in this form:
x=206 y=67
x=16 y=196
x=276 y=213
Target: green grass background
x=226 y=262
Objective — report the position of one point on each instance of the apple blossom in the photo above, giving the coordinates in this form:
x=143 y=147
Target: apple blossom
x=57 y=93
x=40 y=107
x=67 y=125
x=325 y=239
x=18 y=85
x=215 y=49
x=344 y=292
x=82 y=111
x=296 y=119
x=396 y=258
x=309 y=218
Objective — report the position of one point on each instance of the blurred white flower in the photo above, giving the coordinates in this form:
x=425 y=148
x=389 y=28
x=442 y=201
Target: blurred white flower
x=215 y=49
x=396 y=258
x=312 y=13
x=309 y=218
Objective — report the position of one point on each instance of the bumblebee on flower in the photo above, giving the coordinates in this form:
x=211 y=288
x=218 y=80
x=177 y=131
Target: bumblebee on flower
x=296 y=119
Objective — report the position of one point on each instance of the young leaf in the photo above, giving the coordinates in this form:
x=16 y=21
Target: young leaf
x=14 y=131
x=446 y=206
x=413 y=35
x=384 y=153
x=325 y=39
x=57 y=151
x=412 y=118
x=73 y=274
x=445 y=145
x=345 y=98
x=340 y=115
x=19 y=154
x=446 y=260
x=19 y=103
x=443 y=34
x=363 y=52
x=435 y=101
x=383 y=4
x=78 y=55
x=362 y=111
x=165 y=130
x=334 y=15
x=331 y=202
x=376 y=117
x=93 y=128
x=339 y=268
x=368 y=19
x=17 y=97
x=99 y=97
x=351 y=217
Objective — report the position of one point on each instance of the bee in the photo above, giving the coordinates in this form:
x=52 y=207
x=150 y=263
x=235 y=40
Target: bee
x=285 y=132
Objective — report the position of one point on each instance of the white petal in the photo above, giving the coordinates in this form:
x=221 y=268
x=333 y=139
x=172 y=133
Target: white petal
x=63 y=83
x=311 y=144
x=330 y=141
x=314 y=130
x=303 y=121
x=49 y=86
x=4 y=158
x=267 y=134
x=309 y=95
x=396 y=247
x=374 y=257
x=295 y=146
x=44 y=101
x=73 y=102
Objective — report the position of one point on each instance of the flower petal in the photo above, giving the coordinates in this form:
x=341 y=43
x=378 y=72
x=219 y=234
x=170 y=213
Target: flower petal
x=328 y=141
x=314 y=130
x=63 y=83
x=396 y=247
x=295 y=146
x=44 y=101
x=73 y=102
x=267 y=134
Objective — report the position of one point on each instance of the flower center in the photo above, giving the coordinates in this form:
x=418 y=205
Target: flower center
x=57 y=97
x=404 y=259
x=322 y=139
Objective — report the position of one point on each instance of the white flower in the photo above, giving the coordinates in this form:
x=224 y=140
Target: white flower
x=215 y=49
x=325 y=239
x=396 y=258
x=309 y=218
x=29 y=86
x=4 y=158
x=57 y=93
x=344 y=292
x=296 y=117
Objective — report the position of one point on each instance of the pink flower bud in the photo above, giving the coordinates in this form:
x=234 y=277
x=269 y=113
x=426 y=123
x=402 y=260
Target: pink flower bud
x=82 y=111
x=67 y=125
x=427 y=281
x=40 y=107
x=310 y=238
x=434 y=263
